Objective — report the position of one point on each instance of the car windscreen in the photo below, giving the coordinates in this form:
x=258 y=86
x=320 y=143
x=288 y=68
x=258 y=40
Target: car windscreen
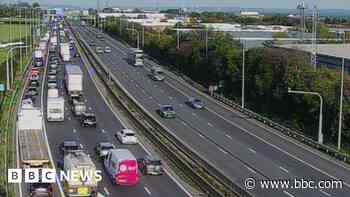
x=130 y=134
x=106 y=147
x=168 y=108
x=90 y=118
x=156 y=162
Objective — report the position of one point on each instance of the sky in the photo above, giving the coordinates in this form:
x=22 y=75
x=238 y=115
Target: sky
x=291 y=4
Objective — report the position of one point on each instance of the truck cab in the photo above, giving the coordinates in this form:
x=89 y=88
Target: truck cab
x=78 y=106
x=121 y=166
x=79 y=161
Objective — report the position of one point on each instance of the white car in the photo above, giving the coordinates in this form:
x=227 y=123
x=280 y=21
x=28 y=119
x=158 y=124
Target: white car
x=127 y=136
x=108 y=49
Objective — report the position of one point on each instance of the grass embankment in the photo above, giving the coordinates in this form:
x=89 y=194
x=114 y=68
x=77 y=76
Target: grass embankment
x=7 y=104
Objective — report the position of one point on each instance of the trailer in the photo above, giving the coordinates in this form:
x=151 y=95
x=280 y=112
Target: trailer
x=32 y=146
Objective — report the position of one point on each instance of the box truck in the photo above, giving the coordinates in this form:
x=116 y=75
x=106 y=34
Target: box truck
x=55 y=106
x=73 y=77
x=65 y=52
x=38 y=58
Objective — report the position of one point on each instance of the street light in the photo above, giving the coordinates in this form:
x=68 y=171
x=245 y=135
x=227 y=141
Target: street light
x=320 y=134
x=243 y=73
x=138 y=36
x=8 y=85
x=341 y=100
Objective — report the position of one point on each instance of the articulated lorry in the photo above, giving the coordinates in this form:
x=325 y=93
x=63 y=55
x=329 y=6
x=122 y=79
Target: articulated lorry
x=136 y=57
x=65 y=52
x=55 y=106
x=33 y=150
x=73 y=77
x=80 y=161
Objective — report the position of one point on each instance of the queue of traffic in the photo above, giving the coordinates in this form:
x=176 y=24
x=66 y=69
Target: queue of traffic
x=52 y=59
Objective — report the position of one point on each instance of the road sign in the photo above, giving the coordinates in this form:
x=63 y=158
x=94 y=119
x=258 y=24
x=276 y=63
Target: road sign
x=2 y=87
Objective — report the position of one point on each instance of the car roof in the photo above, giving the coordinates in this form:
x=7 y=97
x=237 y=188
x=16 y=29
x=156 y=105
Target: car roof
x=128 y=131
x=106 y=144
x=70 y=143
x=153 y=157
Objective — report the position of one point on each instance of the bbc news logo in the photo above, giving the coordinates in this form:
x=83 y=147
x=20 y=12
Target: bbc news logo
x=47 y=175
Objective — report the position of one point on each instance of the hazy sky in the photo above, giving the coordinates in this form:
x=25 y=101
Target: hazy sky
x=323 y=4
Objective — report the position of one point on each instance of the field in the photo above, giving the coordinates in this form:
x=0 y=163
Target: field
x=16 y=29
x=4 y=38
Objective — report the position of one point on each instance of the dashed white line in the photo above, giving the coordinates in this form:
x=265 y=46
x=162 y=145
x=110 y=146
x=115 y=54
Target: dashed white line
x=150 y=97
x=184 y=123
x=211 y=125
x=193 y=114
x=282 y=168
x=222 y=150
x=81 y=146
x=103 y=131
x=228 y=136
x=200 y=135
x=181 y=105
x=251 y=150
x=325 y=193
x=69 y=118
x=106 y=191
x=74 y=130
x=288 y=194
x=253 y=171
x=171 y=98
x=147 y=190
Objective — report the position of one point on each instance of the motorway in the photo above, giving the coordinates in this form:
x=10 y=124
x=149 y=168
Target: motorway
x=237 y=146
x=108 y=125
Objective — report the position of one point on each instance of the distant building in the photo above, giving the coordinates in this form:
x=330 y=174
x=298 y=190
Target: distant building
x=250 y=14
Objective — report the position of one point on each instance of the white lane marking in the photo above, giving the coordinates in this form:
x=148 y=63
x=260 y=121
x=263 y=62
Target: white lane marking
x=222 y=150
x=143 y=147
x=228 y=136
x=288 y=194
x=253 y=171
x=136 y=85
x=181 y=105
x=74 y=130
x=69 y=118
x=81 y=146
x=150 y=97
x=90 y=108
x=103 y=131
x=252 y=150
x=200 y=135
x=278 y=148
x=85 y=100
x=282 y=168
x=171 y=98
x=143 y=91
x=106 y=191
x=147 y=190
x=184 y=123
x=211 y=125
x=193 y=114
x=325 y=193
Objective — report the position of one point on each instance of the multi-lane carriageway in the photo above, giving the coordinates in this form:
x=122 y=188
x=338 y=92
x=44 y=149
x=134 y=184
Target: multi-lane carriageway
x=108 y=124
x=241 y=148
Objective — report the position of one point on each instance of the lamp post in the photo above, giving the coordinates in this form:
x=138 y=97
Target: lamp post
x=341 y=100
x=320 y=134
x=243 y=74
x=8 y=84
